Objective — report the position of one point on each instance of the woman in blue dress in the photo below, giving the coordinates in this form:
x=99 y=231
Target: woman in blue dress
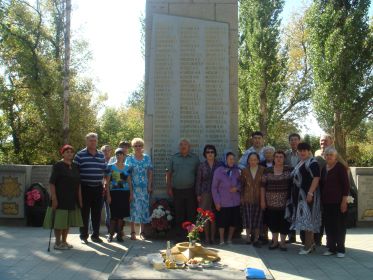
x=141 y=177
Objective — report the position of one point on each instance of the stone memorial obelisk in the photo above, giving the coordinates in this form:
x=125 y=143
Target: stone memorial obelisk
x=190 y=78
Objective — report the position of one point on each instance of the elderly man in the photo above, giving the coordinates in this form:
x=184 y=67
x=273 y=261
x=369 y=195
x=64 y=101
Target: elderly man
x=292 y=157
x=92 y=166
x=257 y=139
x=180 y=179
x=326 y=141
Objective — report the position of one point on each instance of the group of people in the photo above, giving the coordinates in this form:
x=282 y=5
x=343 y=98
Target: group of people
x=81 y=185
x=283 y=191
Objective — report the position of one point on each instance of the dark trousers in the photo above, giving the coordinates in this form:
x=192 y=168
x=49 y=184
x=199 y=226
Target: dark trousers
x=107 y=214
x=335 y=227
x=92 y=204
x=185 y=206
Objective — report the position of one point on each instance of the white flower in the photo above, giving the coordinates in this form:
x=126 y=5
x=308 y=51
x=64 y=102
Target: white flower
x=350 y=199
x=168 y=212
x=169 y=217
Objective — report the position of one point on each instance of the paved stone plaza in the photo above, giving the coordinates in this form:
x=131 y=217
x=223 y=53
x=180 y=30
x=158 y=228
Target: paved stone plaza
x=23 y=255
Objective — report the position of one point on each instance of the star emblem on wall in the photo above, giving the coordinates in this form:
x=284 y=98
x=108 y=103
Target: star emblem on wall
x=10 y=187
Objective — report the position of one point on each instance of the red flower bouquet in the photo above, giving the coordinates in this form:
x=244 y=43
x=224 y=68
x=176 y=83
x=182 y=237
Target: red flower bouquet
x=32 y=197
x=195 y=229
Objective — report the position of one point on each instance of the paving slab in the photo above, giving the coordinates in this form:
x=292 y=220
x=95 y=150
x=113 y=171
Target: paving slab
x=234 y=259
x=23 y=255
x=357 y=264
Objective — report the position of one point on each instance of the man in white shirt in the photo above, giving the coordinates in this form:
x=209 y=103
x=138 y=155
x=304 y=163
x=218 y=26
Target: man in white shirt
x=257 y=139
x=292 y=157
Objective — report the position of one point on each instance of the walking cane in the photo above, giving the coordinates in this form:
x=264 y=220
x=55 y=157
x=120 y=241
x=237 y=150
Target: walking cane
x=52 y=226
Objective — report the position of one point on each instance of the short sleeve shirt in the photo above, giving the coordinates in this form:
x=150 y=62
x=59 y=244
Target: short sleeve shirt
x=92 y=167
x=183 y=170
x=66 y=181
x=118 y=178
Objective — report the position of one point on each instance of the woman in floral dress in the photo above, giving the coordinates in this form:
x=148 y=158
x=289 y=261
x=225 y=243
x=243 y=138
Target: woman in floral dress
x=141 y=176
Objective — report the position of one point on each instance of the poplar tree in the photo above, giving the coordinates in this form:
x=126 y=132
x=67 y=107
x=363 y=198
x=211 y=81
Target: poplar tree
x=341 y=54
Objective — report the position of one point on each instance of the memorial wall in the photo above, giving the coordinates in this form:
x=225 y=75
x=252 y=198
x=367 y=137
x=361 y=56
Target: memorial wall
x=188 y=92
x=188 y=84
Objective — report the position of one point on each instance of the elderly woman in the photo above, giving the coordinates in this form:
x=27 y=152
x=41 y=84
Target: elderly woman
x=334 y=192
x=268 y=152
x=205 y=173
x=226 y=195
x=118 y=195
x=65 y=194
x=276 y=185
x=306 y=212
x=141 y=177
x=251 y=180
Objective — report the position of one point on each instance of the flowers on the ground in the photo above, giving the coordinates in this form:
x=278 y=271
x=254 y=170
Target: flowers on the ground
x=161 y=216
x=32 y=197
x=194 y=230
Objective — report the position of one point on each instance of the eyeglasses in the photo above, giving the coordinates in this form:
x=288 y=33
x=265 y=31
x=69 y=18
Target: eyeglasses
x=210 y=152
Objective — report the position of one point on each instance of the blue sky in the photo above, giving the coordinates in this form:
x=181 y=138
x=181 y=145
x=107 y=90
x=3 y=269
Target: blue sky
x=112 y=29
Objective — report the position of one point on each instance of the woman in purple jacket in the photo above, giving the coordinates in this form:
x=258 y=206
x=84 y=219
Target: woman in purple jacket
x=226 y=194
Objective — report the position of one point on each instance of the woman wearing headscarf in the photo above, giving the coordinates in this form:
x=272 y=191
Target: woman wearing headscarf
x=305 y=197
x=226 y=195
x=66 y=199
x=251 y=180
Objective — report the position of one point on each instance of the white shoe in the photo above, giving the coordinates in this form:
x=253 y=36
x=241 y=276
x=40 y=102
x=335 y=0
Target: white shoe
x=340 y=255
x=305 y=252
x=328 y=253
x=222 y=243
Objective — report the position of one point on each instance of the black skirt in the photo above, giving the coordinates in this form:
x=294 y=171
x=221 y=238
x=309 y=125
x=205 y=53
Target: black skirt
x=276 y=221
x=120 y=204
x=228 y=217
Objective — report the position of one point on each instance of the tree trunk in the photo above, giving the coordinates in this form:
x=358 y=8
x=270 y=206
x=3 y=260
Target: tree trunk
x=339 y=135
x=263 y=109
x=66 y=75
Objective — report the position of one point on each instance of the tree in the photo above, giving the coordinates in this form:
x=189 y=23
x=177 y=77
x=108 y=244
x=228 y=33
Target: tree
x=274 y=83
x=123 y=123
x=31 y=100
x=341 y=54
x=66 y=74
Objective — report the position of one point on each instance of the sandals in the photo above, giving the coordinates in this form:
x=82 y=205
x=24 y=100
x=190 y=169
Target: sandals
x=60 y=246
x=68 y=245
x=142 y=236
x=133 y=235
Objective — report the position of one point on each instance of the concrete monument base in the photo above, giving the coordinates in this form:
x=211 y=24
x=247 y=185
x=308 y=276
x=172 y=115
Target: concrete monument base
x=134 y=264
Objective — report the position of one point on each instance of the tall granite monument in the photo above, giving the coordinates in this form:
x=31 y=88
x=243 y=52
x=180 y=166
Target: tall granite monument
x=191 y=78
